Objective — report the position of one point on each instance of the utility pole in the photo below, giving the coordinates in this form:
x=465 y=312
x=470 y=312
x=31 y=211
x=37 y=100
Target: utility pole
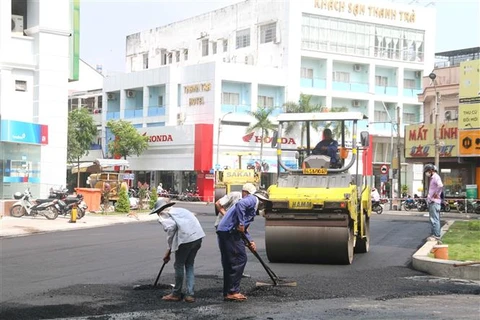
x=437 y=154
x=399 y=155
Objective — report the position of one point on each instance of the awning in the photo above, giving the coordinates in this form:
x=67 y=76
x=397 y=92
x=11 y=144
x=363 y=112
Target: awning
x=99 y=165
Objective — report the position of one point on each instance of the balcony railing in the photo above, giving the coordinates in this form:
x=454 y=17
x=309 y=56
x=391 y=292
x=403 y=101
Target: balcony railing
x=317 y=83
x=350 y=86
x=389 y=91
x=411 y=92
x=135 y=113
x=113 y=115
x=236 y=108
x=156 y=111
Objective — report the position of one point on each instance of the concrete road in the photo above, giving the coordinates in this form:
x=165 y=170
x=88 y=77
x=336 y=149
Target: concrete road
x=92 y=272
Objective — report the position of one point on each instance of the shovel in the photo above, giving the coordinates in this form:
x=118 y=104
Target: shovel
x=275 y=279
x=154 y=286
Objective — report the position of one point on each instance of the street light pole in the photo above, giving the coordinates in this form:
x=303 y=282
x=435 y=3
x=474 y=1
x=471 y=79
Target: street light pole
x=433 y=76
x=399 y=156
x=220 y=120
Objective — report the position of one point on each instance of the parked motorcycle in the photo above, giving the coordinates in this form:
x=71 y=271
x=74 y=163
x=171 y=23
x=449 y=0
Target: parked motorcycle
x=445 y=206
x=472 y=206
x=409 y=204
x=377 y=207
x=422 y=204
x=66 y=203
x=26 y=206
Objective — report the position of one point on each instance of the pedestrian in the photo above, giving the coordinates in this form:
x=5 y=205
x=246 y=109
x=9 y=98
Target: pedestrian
x=434 y=200
x=184 y=238
x=232 y=247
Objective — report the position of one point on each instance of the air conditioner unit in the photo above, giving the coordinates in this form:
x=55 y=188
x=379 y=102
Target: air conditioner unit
x=418 y=74
x=130 y=94
x=249 y=59
x=357 y=67
x=17 y=23
x=355 y=103
x=451 y=115
x=181 y=118
x=111 y=96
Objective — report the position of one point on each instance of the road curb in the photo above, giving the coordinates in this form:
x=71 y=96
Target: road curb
x=443 y=268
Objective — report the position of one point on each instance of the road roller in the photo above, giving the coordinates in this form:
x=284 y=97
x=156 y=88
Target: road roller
x=320 y=208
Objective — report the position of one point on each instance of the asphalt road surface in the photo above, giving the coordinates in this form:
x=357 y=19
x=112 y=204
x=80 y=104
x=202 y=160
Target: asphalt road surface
x=90 y=274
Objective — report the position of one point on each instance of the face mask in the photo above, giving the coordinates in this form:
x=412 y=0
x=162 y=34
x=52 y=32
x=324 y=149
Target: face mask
x=428 y=174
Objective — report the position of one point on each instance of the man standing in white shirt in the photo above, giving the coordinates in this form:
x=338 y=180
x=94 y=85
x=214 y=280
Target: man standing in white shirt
x=184 y=237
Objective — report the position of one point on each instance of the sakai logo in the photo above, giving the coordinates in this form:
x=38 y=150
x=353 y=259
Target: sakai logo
x=258 y=139
x=158 y=137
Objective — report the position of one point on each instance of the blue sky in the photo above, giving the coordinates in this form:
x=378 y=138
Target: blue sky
x=104 y=24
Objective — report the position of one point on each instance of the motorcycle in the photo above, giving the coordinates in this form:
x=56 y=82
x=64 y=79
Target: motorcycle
x=409 y=204
x=377 y=207
x=66 y=203
x=422 y=204
x=26 y=206
x=445 y=206
x=472 y=206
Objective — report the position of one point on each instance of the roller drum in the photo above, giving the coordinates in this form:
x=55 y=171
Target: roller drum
x=309 y=244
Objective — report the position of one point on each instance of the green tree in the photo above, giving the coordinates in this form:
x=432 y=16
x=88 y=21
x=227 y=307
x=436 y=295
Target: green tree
x=81 y=133
x=262 y=123
x=153 y=198
x=335 y=126
x=302 y=106
x=127 y=140
x=123 y=203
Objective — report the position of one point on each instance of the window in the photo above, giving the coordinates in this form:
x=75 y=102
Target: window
x=214 y=47
x=380 y=116
x=409 y=118
x=20 y=85
x=306 y=73
x=381 y=81
x=243 y=38
x=204 y=47
x=264 y=101
x=267 y=32
x=225 y=45
x=409 y=83
x=230 y=98
x=341 y=76
x=145 y=61
x=170 y=54
x=177 y=56
x=185 y=54
x=160 y=101
x=163 y=58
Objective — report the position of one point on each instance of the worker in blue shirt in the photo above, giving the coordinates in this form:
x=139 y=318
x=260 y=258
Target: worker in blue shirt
x=234 y=257
x=327 y=147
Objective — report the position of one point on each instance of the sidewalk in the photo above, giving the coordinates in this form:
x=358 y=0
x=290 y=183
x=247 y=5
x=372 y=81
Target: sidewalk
x=14 y=227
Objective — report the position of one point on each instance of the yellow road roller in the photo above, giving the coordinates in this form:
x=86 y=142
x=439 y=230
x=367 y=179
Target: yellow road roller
x=320 y=208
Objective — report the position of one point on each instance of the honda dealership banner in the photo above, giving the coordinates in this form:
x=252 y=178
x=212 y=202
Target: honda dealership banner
x=23 y=132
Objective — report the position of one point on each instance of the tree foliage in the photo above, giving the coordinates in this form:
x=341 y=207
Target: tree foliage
x=123 y=202
x=336 y=126
x=303 y=106
x=262 y=123
x=81 y=133
x=153 y=198
x=128 y=141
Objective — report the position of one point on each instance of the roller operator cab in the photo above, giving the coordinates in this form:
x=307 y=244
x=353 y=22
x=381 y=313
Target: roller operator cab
x=319 y=212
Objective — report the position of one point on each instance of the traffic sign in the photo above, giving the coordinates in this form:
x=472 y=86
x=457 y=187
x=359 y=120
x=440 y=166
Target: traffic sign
x=384 y=169
x=383 y=178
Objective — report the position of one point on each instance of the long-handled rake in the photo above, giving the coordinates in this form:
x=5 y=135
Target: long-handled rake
x=154 y=286
x=275 y=279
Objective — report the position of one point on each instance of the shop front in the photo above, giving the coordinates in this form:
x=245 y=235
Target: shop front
x=456 y=172
x=20 y=156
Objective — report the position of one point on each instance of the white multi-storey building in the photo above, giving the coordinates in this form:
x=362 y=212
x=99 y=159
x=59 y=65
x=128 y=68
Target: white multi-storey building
x=190 y=85
x=38 y=56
